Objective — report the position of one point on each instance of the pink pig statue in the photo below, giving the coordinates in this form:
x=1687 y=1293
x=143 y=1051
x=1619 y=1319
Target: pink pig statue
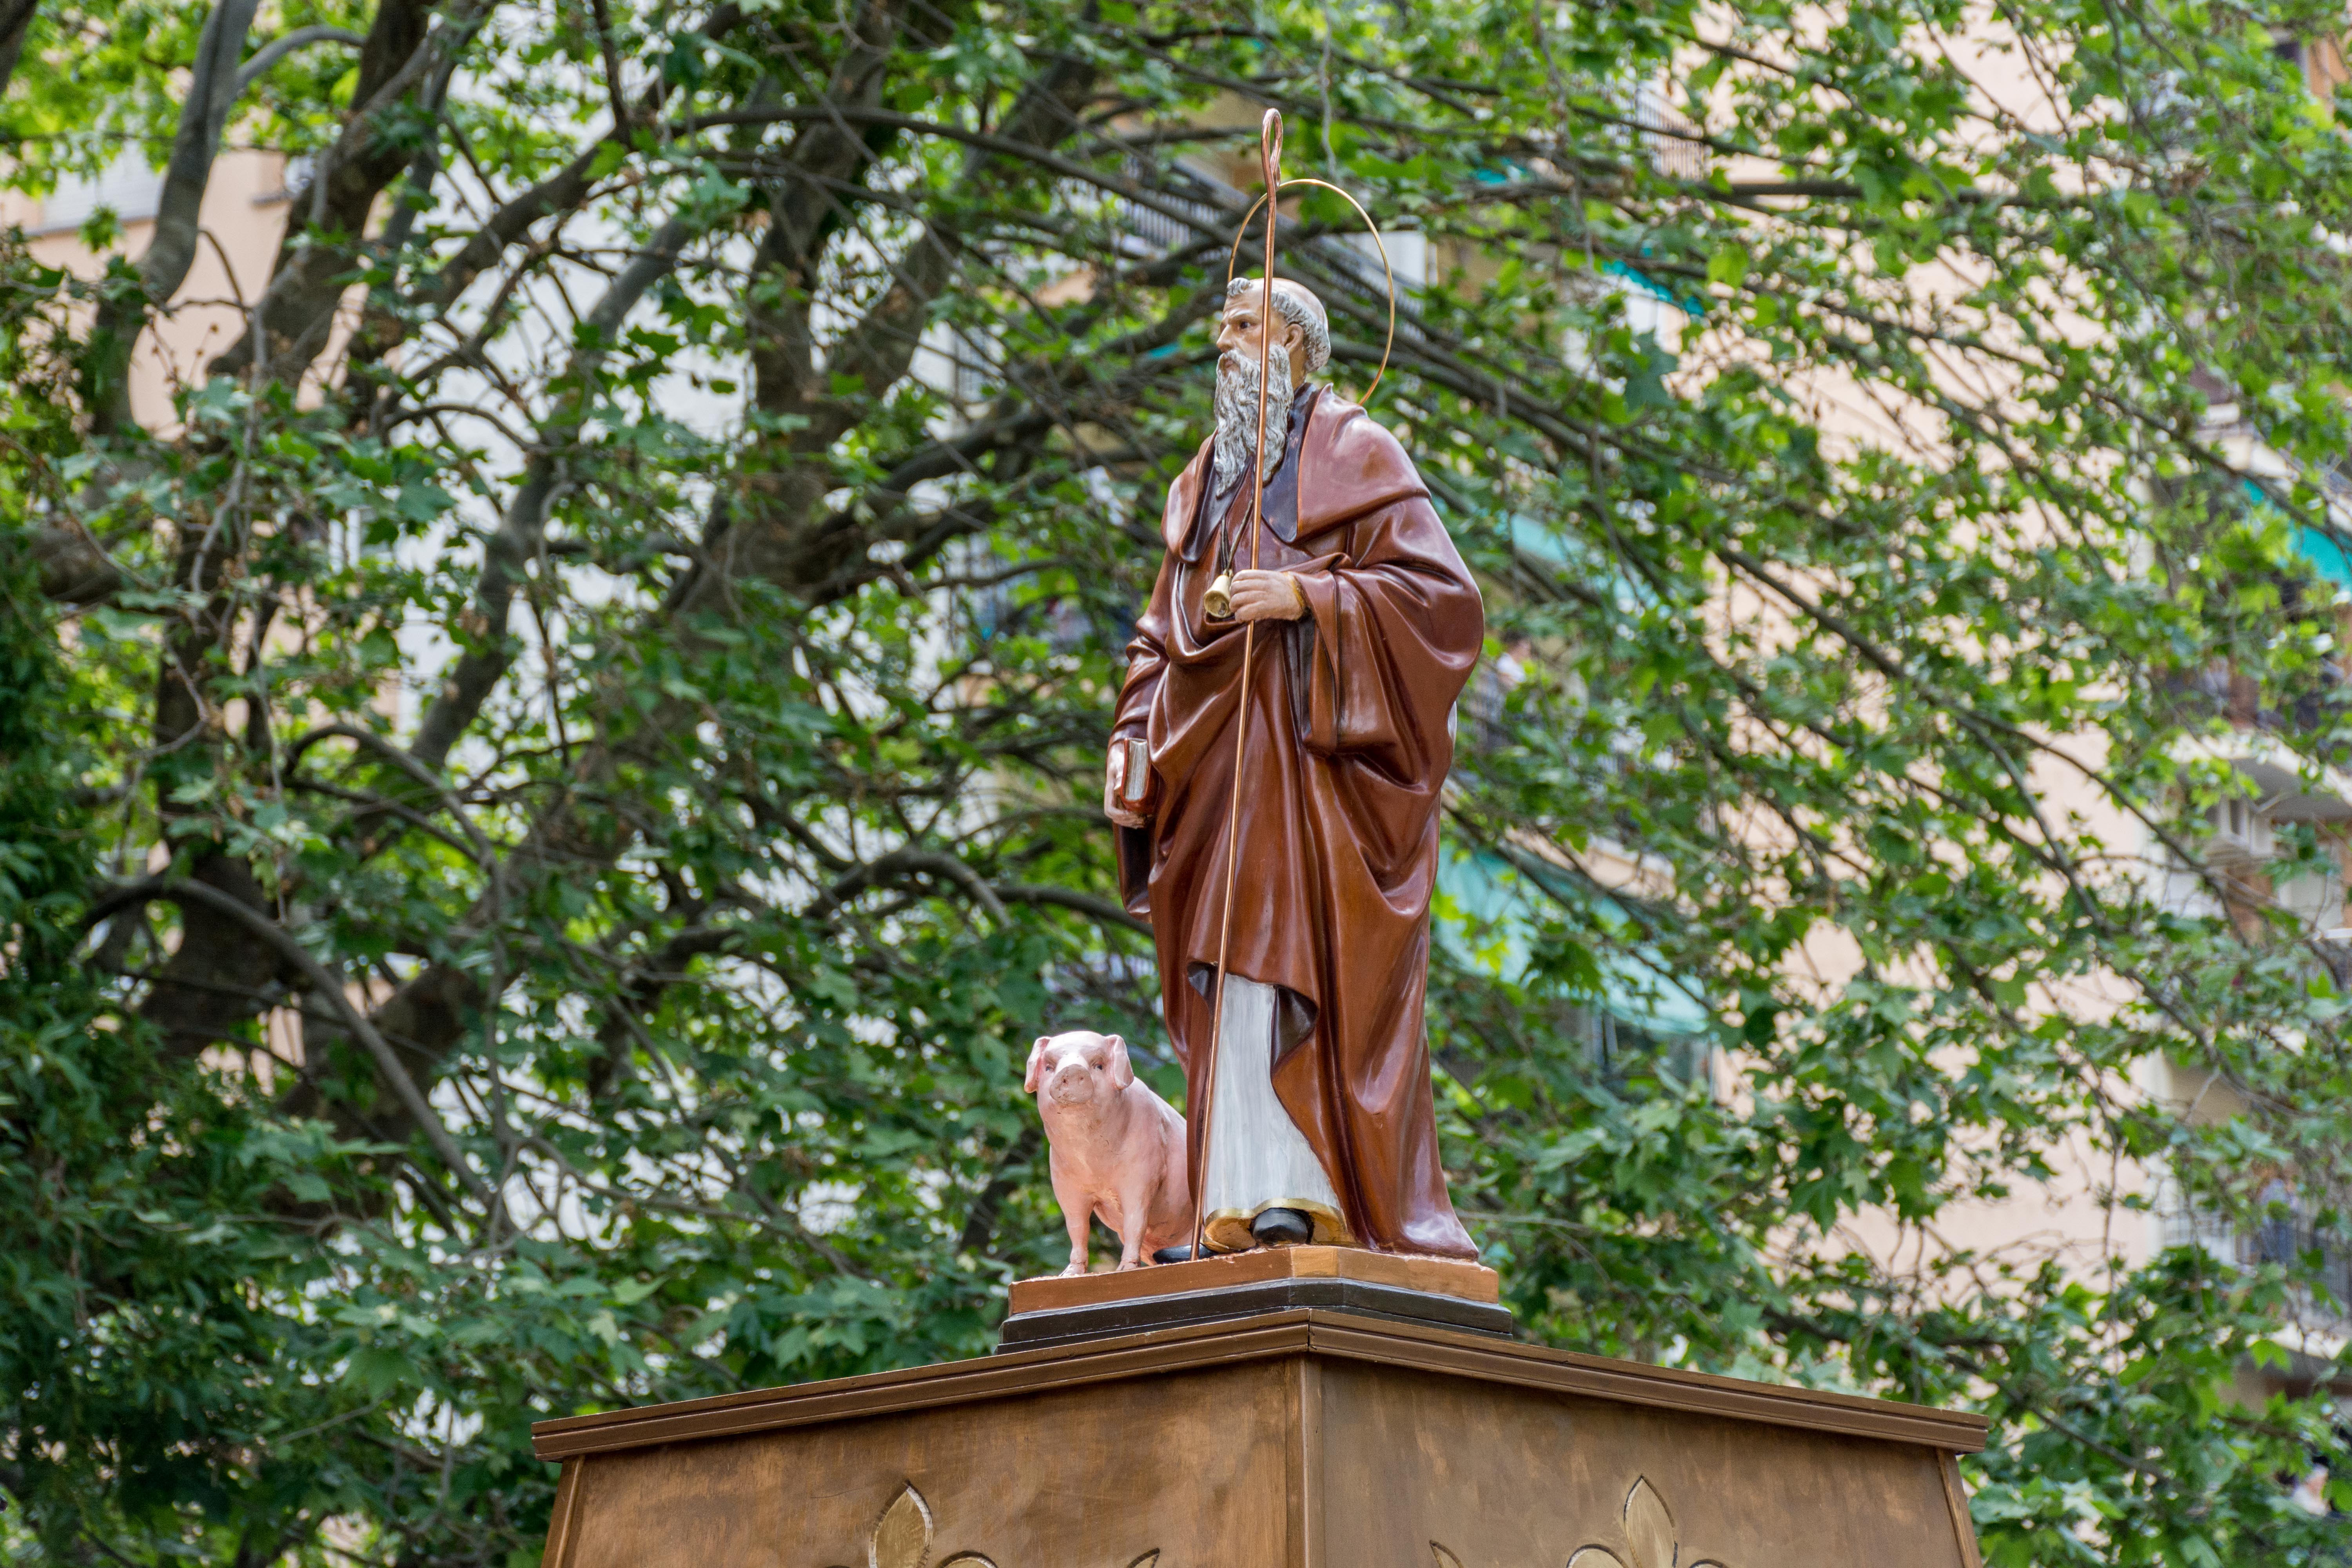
x=1119 y=1147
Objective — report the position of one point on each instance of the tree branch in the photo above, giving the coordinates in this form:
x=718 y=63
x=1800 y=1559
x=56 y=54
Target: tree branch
x=172 y=250
x=15 y=24
x=277 y=49
x=511 y=549
x=558 y=192
x=186 y=892
x=980 y=1221
x=1103 y=912
x=321 y=245
x=428 y=1011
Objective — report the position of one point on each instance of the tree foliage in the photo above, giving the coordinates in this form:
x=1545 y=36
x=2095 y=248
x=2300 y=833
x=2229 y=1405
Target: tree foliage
x=613 y=653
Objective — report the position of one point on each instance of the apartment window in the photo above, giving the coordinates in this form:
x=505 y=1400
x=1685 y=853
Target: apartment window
x=1668 y=137
x=1151 y=230
x=127 y=186
x=2241 y=833
x=970 y=376
x=2315 y=897
x=1407 y=258
x=1486 y=703
x=1621 y=1050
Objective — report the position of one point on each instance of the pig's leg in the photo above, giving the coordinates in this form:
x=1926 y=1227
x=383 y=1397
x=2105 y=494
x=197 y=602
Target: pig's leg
x=1078 y=1214
x=1137 y=1205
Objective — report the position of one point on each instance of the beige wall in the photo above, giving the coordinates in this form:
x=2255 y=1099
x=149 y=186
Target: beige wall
x=244 y=214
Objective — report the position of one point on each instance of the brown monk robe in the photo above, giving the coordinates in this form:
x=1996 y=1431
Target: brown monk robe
x=1349 y=743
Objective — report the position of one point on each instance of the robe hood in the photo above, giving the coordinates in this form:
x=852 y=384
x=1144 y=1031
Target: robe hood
x=1338 y=464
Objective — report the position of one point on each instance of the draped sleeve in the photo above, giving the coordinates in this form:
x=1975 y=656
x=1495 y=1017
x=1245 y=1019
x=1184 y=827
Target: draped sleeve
x=1147 y=670
x=1397 y=631
x=1147 y=661
x=1147 y=653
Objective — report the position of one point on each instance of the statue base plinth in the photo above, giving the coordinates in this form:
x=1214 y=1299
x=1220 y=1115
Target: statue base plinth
x=1299 y=1439
x=1440 y=1291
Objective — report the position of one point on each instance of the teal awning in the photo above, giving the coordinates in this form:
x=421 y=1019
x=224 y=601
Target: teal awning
x=2326 y=555
x=2323 y=549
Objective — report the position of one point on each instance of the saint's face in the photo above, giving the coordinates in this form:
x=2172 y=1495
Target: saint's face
x=1243 y=321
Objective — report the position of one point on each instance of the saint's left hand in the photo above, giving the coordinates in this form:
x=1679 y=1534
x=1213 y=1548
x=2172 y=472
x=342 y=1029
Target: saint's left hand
x=1266 y=596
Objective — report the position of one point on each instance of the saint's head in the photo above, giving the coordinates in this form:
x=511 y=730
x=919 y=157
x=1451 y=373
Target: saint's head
x=1295 y=337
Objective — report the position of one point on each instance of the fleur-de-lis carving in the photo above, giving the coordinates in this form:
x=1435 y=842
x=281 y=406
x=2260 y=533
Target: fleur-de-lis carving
x=901 y=1538
x=1651 y=1539
x=902 y=1535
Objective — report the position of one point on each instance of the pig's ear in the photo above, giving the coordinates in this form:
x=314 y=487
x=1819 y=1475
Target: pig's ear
x=1036 y=1061
x=1122 y=1071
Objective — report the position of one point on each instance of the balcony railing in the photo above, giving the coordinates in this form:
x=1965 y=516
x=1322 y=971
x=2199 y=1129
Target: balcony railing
x=2284 y=1240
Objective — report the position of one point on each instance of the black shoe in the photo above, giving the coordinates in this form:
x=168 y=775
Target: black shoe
x=1282 y=1227
x=1172 y=1254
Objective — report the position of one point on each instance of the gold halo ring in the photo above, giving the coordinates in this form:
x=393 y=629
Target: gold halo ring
x=1233 y=258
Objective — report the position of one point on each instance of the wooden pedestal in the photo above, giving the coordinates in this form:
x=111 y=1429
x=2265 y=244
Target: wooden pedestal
x=1440 y=1292
x=1299 y=1439
x=1262 y=1266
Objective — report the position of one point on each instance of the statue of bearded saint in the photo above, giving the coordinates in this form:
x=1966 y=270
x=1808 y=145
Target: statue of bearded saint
x=1368 y=626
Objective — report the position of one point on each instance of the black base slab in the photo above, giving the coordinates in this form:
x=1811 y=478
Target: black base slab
x=1063 y=1325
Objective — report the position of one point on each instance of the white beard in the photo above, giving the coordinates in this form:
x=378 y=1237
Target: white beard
x=1236 y=410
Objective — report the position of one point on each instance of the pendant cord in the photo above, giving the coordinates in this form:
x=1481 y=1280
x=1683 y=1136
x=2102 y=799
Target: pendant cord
x=1269 y=145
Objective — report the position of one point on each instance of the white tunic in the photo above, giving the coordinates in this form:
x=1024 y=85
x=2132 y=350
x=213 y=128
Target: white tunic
x=1257 y=1158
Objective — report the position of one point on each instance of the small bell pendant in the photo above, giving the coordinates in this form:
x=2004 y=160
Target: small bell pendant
x=1217 y=598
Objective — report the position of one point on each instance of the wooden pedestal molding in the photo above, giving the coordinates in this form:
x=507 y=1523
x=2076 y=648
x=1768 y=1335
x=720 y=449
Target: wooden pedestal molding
x=1301 y=1439
x=1437 y=1276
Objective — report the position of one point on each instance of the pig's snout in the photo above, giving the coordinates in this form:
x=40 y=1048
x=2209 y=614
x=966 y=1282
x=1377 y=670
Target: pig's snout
x=1072 y=1084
